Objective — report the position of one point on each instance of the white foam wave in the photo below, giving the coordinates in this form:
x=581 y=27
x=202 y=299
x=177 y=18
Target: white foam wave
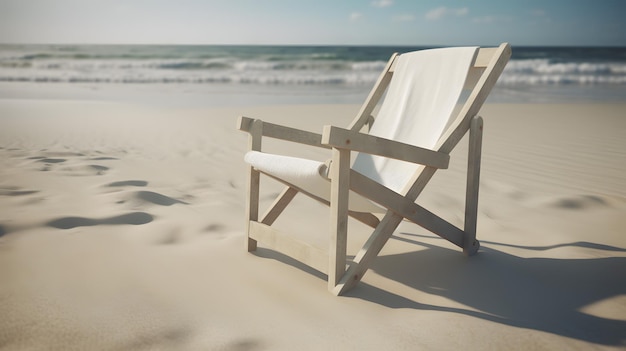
x=191 y=77
x=186 y=64
x=560 y=79
x=283 y=72
x=545 y=72
x=544 y=66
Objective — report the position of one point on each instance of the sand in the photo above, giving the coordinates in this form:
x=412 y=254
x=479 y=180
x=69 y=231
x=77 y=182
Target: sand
x=121 y=228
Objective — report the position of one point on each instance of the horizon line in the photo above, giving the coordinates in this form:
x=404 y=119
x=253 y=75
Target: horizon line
x=313 y=45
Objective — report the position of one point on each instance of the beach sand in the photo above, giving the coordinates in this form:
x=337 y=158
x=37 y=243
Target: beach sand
x=121 y=228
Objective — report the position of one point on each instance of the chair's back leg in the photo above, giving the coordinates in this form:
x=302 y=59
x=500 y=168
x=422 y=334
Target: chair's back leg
x=470 y=244
x=254 y=177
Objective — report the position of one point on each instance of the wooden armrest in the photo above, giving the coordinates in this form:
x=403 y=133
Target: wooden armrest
x=276 y=131
x=347 y=139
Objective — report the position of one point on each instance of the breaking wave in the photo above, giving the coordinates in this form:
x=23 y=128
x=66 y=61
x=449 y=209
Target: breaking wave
x=280 y=65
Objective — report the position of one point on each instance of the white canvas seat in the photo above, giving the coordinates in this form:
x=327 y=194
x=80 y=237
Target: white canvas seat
x=411 y=137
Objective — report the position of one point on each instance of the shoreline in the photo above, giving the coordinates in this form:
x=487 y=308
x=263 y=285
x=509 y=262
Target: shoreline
x=250 y=95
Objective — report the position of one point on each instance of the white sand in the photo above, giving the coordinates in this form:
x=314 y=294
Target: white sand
x=121 y=227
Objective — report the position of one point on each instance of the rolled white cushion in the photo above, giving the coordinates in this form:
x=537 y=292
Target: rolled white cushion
x=305 y=174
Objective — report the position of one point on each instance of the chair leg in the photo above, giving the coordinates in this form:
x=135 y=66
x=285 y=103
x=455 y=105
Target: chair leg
x=252 y=206
x=368 y=252
x=470 y=244
x=340 y=187
x=254 y=178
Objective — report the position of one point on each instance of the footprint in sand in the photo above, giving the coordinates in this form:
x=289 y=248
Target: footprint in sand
x=579 y=202
x=52 y=157
x=22 y=196
x=50 y=160
x=48 y=163
x=124 y=183
x=71 y=163
x=84 y=170
x=135 y=218
x=15 y=191
x=143 y=196
x=157 y=199
x=106 y=158
x=138 y=199
x=214 y=227
x=98 y=168
x=62 y=153
x=169 y=238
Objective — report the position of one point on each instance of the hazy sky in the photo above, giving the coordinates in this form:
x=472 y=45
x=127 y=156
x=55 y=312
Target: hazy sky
x=409 y=22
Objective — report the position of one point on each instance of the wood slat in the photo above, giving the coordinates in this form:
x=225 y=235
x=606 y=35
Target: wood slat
x=405 y=207
x=475 y=100
x=484 y=57
x=255 y=131
x=279 y=205
x=368 y=252
x=363 y=217
x=285 y=133
x=339 y=191
x=374 y=96
x=286 y=244
x=470 y=245
x=355 y=141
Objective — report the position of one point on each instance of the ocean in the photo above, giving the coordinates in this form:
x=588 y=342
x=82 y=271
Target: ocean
x=236 y=75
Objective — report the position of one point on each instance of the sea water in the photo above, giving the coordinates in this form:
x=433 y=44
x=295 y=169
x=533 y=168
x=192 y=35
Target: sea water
x=252 y=75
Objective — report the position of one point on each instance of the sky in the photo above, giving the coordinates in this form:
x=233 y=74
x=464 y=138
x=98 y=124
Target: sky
x=315 y=22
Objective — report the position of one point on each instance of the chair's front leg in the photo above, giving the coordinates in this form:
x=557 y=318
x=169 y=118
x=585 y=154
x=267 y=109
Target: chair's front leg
x=340 y=186
x=254 y=178
x=470 y=244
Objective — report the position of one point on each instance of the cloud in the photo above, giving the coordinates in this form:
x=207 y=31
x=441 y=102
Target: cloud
x=404 y=18
x=382 y=3
x=485 y=19
x=461 y=11
x=442 y=11
x=355 y=16
x=492 y=19
x=437 y=13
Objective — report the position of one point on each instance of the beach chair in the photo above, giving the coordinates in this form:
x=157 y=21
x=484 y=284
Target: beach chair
x=422 y=117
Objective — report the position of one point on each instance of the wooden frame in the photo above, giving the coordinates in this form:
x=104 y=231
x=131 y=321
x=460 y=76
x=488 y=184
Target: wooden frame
x=487 y=67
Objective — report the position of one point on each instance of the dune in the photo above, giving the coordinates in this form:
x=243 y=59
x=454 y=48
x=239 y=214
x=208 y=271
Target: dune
x=121 y=227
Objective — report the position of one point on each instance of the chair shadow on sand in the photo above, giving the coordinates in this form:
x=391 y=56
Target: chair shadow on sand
x=544 y=294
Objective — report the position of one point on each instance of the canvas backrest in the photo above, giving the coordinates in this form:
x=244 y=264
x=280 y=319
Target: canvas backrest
x=419 y=104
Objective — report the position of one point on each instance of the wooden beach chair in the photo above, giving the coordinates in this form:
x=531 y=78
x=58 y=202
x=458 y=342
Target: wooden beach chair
x=409 y=140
